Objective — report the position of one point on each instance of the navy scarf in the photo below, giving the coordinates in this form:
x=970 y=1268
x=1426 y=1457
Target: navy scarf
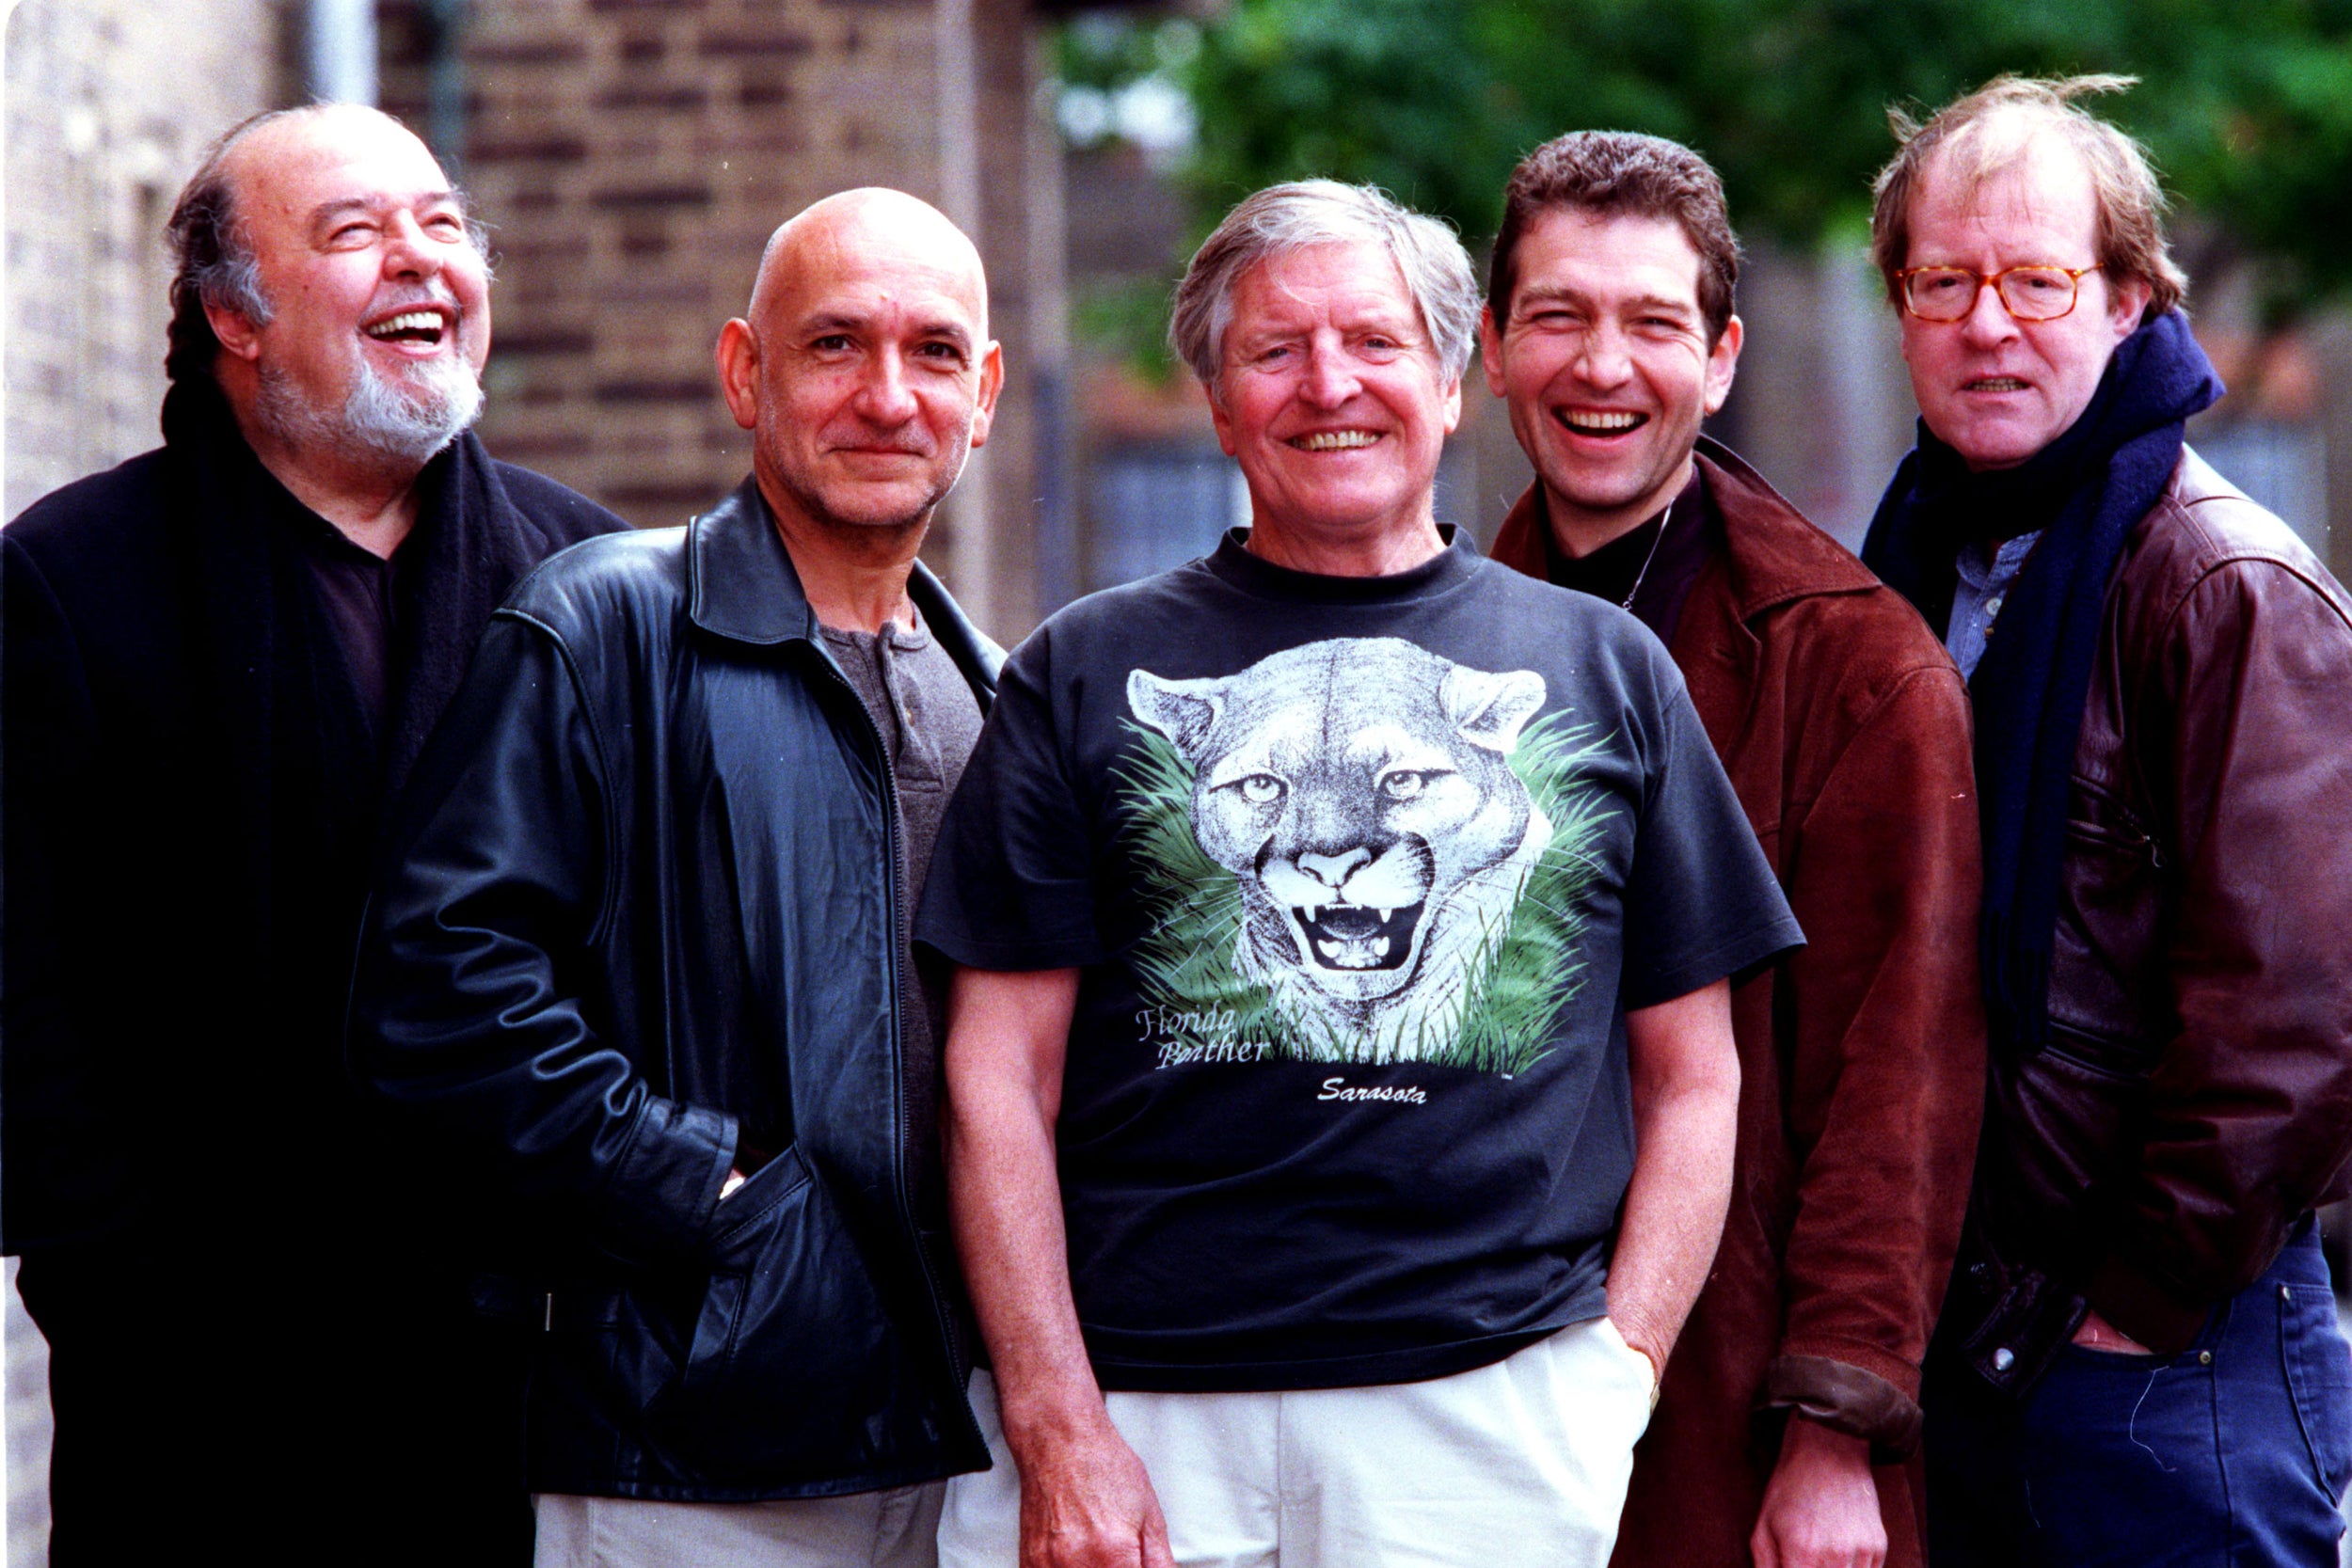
x=2086 y=490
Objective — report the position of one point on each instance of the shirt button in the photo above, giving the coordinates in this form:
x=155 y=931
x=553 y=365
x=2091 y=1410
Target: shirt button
x=2204 y=1358
x=2003 y=1359
x=2286 y=1293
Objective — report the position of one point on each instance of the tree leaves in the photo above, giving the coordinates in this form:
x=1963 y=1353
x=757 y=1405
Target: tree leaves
x=2245 y=104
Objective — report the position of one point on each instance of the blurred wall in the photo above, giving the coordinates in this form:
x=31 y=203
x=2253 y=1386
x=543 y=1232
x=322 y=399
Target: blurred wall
x=632 y=157
x=108 y=104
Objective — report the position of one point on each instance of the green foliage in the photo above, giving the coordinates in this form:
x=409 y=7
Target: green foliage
x=1516 y=995
x=2247 y=104
x=1520 y=978
x=1187 y=964
x=1127 y=319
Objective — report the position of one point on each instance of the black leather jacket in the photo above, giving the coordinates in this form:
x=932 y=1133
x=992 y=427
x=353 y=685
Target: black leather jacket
x=641 y=905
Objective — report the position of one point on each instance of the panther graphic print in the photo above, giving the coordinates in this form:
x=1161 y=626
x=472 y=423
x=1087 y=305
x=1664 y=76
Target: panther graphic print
x=1359 y=851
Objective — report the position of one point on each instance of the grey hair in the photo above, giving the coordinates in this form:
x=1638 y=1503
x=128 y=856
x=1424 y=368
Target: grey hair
x=211 y=256
x=1307 y=212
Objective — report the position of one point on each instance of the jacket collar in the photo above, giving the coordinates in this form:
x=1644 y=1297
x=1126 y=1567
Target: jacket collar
x=741 y=585
x=1775 y=555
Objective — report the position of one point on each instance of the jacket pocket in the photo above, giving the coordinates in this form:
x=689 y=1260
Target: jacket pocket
x=793 y=1369
x=2107 y=973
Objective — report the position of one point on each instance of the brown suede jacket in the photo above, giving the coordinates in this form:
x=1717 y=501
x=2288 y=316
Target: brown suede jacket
x=2195 y=1099
x=1845 y=729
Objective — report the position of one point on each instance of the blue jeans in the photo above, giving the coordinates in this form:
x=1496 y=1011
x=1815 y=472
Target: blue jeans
x=2233 y=1452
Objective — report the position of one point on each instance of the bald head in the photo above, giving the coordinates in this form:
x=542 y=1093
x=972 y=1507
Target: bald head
x=863 y=366
x=331 y=287
x=210 y=231
x=849 y=229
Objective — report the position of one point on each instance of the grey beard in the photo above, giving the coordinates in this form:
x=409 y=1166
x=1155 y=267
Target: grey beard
x=377 y=421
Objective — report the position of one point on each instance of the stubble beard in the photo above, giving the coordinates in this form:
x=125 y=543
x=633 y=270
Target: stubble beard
x=812 y=502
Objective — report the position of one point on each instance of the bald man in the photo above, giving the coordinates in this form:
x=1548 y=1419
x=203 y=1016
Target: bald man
x=641 y=951
x=217 y=661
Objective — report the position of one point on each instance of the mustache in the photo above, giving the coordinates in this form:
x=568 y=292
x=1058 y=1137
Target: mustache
x=408 y=296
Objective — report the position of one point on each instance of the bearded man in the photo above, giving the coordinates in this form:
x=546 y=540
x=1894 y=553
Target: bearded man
x=220 y=660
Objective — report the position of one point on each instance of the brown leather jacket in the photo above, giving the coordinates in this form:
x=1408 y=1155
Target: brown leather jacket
x=1845 y=730
x=2195 y=1100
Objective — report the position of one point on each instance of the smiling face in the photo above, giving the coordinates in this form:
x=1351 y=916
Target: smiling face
x=1331 y=398
x=1993 y=389
x=865 y=369
x=379 y=298
x=1606 y=367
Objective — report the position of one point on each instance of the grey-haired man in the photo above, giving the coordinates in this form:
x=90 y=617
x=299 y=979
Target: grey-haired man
x=220 y=660
x=1336 y=915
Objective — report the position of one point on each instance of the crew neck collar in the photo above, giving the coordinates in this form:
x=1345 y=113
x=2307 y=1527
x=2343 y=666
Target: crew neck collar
x=1232 y=562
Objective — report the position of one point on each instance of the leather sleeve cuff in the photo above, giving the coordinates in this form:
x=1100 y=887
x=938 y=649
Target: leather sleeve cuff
x=2149 y=1312
x=1844 y=1398
x=665 y=1186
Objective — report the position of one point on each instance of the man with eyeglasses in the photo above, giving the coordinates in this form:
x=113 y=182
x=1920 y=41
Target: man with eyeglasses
x=2139 y=1360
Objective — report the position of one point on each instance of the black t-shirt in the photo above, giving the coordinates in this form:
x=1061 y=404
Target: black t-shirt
x=1655 y=566
x=1361 y=874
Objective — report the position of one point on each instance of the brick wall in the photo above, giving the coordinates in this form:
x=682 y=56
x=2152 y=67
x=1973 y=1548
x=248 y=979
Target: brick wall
x=632 y=157
x=109 y=105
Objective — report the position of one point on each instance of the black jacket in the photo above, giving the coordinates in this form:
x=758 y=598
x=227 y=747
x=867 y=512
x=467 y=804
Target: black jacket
x=189 y=815
x=641 y=905
x=232 y=1268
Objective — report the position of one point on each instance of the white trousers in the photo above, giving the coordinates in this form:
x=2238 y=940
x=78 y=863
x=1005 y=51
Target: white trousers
x=1523 y=1462
x=867 y=1529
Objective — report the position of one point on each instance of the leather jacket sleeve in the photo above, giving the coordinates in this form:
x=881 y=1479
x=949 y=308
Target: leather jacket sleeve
x=2249 y=1110
x=470 y=1010
x=1885 y=1086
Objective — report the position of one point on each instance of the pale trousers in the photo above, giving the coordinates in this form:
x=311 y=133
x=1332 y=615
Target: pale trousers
x=897 y=1528
x=1520 y=1463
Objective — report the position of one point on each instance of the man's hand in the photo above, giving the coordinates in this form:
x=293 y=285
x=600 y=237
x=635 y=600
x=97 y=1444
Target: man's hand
x=1651 y=1354
x=1085 y=1499
x=1820 y=1508
x=1087 y=1504
x=2097 y=1334
x=1686 y=1118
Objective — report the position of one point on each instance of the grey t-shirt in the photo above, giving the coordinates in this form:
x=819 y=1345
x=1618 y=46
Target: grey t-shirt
x=928 y=720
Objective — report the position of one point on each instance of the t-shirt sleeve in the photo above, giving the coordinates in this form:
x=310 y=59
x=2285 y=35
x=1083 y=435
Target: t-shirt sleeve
x=1010 y=885
x=1700 y=899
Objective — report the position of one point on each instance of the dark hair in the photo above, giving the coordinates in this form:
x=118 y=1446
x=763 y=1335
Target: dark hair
x=211 y=258
x=1613 y=173
x=2129 y=236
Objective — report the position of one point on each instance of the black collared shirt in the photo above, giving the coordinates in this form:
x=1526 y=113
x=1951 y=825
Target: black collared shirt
x=1681 y=537
x=357 y=593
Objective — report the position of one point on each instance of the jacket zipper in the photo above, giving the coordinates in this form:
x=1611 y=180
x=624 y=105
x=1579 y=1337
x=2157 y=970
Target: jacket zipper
x=2132 y=832
x=941 y=1316
x=2147 y=839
